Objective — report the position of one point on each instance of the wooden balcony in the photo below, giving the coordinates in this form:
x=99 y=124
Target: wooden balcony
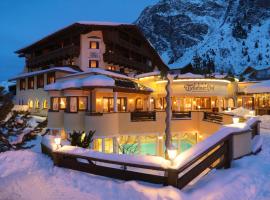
x=58 y=54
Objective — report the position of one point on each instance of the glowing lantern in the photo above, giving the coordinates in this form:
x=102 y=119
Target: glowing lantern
x=172 y=153
x=236 y=120
x=57 y=141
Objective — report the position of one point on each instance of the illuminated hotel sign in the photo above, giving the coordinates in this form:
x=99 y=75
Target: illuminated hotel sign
x=199 y=87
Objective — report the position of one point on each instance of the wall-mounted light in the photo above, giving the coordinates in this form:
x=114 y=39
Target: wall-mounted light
x=98 y=100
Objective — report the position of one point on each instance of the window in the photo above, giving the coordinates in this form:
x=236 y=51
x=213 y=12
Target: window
x=108 y=104
x=108 y=145
x=93 y=63
x=30 y=104
x=63 y=103
x=55 y=103
x=45 y=104
x=37 y=104
x=93 y=45
x=82 y=103
x=31 y=83
x=97 y=145
x=73 y=104
x=50 y=77
x=22 y=84
x=112 y=68
x=40 y=81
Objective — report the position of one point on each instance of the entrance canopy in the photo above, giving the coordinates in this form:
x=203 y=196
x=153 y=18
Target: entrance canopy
x=262 y=87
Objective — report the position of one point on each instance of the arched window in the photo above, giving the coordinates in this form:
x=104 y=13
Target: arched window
x=45 y=104
x=30 y=104
x=37 y=104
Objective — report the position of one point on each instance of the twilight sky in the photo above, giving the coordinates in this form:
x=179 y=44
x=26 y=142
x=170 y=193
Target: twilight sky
x=24 y=22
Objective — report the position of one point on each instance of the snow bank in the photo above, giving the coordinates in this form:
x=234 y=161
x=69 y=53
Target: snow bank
x=265 y=121
x=19 y=138
x=241 y=112
x=135 y=159
x=48 y=141
x=256 y=144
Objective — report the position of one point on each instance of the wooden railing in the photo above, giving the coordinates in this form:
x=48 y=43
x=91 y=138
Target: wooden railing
x=213 y=117
x=218 y=155
x=143 y=116
x=181 y=115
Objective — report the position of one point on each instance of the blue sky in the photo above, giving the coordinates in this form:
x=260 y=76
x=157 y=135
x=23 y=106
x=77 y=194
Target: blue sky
x=24 y=22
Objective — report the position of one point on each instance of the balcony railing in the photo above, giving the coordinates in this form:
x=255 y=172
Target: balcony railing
x=213 y=117
x=181 y=115
x=142 y=116
x=67 y=51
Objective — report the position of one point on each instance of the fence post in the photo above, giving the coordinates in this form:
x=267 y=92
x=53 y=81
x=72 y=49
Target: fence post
x=172 y=177
x=229 y=152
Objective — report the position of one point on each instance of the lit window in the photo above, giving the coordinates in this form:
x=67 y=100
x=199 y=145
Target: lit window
x=97 y=145
x=73 y=107
x=30 y=104
x=37 y=104
x=108 y=145
x=22 y=84
x=94 y=45
x=112 y=68
x=31 y=83
x=82 y=103
x=93 y=63
x=45 y=104
x=55 y=103
x=63 y=103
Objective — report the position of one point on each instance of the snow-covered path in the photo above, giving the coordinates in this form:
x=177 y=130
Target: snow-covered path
x=28 y=175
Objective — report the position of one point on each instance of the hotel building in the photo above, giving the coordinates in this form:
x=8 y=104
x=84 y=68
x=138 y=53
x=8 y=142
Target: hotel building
x=106 y=77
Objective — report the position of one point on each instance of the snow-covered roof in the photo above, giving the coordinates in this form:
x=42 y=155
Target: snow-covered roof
x=262 y=87
x=28 y=74
x=190 y=75
x=102 y=23
x=100 y=71
x=154 y=73
x=89 y=81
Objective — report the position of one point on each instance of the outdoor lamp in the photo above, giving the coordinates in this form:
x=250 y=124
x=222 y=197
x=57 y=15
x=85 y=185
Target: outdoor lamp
x=229 y=109
x=252 y=113
x=57 y=141
x=236 y=120
x=172 y=153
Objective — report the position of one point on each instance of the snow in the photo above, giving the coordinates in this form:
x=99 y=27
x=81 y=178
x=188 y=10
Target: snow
x=20 y=108
x=265 y=121
x=241 y=112
x=262 y=87
x=20 y=137
x=154 y=73
x=101 y=23
x=256 y=143
x=24 y=75
x=135 y=159
x=92 y=80
x=100 y=71
x=190 y=75
x=29 y=175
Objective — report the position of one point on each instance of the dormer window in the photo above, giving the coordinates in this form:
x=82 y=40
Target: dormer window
x=94 y=45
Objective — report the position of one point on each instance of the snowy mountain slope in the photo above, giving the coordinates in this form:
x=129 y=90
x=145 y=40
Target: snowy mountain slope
x=233 y=33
